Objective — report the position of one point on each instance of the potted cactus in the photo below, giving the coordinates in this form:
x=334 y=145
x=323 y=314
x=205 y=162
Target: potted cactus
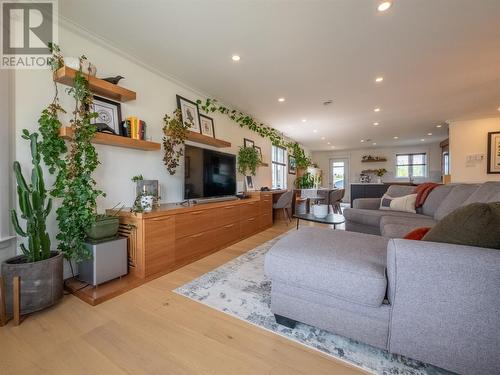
x=39 y=268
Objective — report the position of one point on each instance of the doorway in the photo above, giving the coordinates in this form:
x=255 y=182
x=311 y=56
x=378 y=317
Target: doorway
x=339 y=176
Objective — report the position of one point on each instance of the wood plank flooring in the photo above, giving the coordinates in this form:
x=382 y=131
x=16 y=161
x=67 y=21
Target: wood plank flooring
x=151 y=330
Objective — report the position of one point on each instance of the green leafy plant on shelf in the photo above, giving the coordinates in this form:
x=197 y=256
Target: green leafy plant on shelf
x=34 y=205
x=246 y=121
x=175 y=135
x=248 y=160
x=380 y=172
x=73 y=166
x=305 y=182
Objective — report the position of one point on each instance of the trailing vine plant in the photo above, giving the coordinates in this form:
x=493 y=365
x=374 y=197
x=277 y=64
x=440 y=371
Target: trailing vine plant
x=73 y=166
x=248 y=160
x=175 y=134
x=265 y=131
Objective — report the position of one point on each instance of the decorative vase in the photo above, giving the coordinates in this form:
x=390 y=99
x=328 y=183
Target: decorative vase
x=105 y=227
x=41 y=282
x=147 y=202
x=320 y=211
x=379 y=180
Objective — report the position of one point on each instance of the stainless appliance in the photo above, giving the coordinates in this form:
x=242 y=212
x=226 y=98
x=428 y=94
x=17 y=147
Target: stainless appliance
x=109 y=261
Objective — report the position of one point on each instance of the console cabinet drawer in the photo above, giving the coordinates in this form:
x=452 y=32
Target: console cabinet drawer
x=194 y=222
x=249 y=209
x=249 y=226
x=227 y=215
x=266 y=219
x=228 y=233
x=195 y=246
x=159 y=235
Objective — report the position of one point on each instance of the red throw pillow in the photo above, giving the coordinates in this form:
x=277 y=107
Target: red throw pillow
x=417 y=234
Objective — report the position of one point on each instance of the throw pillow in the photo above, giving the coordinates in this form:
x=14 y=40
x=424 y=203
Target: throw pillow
x=405 y=203
x=476 y=224
x=417 y=234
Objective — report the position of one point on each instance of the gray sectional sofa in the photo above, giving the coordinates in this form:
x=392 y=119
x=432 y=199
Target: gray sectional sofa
x=435 y=302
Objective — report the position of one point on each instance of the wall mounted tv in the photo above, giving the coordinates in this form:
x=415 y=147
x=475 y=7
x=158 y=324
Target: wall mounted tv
x=208 y=173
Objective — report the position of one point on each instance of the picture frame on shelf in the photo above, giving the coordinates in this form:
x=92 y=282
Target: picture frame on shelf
x=493 y=153
x=109 y=115
x=259 y=150
x=249 y=183
x=248 y=143
x=190 y=113
x=207 y=126
x=292 y=165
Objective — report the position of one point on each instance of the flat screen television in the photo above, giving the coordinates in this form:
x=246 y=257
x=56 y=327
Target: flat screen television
x=208 y=173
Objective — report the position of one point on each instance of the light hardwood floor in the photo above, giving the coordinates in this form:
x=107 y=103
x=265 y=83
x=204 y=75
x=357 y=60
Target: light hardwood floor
x=151 y=330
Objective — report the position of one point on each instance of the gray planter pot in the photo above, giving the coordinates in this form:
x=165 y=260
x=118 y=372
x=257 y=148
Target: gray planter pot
x=41 y=282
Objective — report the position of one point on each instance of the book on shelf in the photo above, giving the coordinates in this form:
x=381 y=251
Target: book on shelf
x=133 y=127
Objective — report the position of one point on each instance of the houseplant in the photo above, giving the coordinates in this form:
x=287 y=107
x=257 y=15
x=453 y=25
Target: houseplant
x=40 y=269
x=248 y=160
x=305 y=182
x=380 y=173
x=175 y=135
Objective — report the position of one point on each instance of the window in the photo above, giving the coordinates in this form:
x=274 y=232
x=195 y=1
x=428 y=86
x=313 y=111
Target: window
x=279 y=167
x=411 y=165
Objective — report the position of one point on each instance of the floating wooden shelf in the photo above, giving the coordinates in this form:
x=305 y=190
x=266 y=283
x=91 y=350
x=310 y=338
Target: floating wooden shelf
x=200 y=138
x=66 y=76
x=374 y=161
x=114 y=140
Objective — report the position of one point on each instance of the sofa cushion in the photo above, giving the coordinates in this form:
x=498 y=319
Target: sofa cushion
x=346 y=265
x=486 y=193
x=435 y=198
x=477 y=224
x=372 y=217
x=406 y=203
x=395 y=227
x=400 y=190
x=457 y=196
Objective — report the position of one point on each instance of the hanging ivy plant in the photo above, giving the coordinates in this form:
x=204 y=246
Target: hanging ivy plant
x=248 y=160
x=175 y=135
x=246 y=121
x=73 y=166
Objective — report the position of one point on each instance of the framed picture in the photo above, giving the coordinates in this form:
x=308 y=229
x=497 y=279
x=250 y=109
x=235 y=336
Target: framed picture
x=248 y=143
x=189 y=113
x=259 y=150
x=249 y=183
x=292 y=165
x=109 y=115
x=493 y=152
x=207 y=126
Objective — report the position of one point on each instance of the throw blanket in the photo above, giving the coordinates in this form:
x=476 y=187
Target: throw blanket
x=423 y=191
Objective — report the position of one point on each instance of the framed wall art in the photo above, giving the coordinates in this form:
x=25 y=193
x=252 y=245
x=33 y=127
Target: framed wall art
x=109 y=115
x=493 y=152
x=189 y=113
x=207 y=126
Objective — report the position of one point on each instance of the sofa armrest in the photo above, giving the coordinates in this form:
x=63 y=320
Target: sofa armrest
x=445 y=304
x=367 y=203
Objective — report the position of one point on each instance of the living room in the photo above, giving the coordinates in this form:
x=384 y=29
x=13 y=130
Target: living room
x=288 y=187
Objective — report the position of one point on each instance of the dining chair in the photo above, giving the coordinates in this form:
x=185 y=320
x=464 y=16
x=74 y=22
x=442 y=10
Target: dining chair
x=285 y=203
x=336 y=197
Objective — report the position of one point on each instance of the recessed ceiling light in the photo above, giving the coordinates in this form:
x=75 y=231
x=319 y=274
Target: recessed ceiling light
x=375 y=124
x=327 y=143
x=362 y=140
x=376 y=110
x=429 y=133
x=439 y=126
x=374 y=143
x=315 y=130
x=304 y=120
x=422 y=140
x=323 y=138
x=236 y=58
x=396 y=137
x=379 y=79
x=384 y=5
x=281 y=100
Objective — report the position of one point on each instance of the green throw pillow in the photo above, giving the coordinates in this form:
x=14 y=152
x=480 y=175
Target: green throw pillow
x=477 y=224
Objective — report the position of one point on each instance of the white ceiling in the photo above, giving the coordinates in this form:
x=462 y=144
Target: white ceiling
x=440 y=60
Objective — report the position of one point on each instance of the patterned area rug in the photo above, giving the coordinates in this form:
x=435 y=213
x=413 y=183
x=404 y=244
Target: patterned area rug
x=241 y=289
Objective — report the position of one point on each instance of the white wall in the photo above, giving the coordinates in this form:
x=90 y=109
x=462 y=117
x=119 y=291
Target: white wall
x=471 y=138
x=6 y=240
x=322 y=158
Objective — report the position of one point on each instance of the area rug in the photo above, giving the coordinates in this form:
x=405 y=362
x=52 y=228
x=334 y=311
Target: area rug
x=241 y=289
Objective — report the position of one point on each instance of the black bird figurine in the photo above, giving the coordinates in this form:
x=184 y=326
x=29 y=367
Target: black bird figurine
x=113 y=80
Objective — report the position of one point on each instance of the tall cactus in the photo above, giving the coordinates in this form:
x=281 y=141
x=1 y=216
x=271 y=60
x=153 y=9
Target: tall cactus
x=33 y=207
